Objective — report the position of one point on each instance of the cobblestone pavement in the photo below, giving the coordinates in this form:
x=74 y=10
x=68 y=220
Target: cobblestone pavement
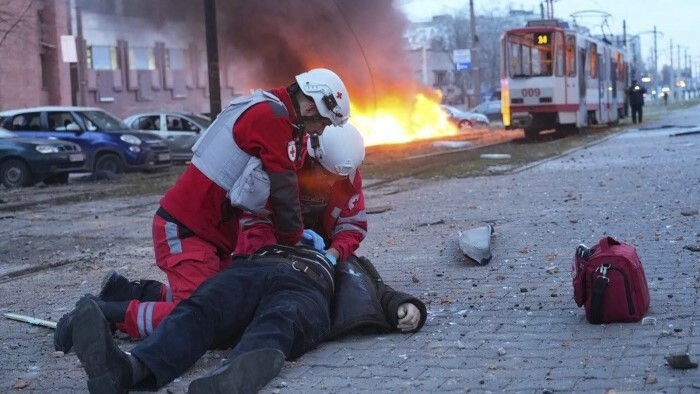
x=509 y=326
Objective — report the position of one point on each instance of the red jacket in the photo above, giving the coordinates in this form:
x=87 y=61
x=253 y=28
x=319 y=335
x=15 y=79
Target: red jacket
x=201 y=205
x=337 y=213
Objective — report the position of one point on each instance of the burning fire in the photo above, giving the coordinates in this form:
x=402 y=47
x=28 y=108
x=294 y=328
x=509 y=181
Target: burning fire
x=398 y=120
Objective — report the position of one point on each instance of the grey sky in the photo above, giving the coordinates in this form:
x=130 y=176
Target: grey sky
x=676 y=19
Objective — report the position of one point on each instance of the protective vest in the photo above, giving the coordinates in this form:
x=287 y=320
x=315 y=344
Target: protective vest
x=216 y=154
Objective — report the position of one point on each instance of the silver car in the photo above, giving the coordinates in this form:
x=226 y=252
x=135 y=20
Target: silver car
x=463 y=118
x=180 y=130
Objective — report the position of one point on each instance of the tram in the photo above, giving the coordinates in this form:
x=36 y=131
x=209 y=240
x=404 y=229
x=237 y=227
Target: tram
x=557 y=77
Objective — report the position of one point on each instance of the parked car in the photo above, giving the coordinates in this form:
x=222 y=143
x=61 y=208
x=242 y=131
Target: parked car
x=464 y=118
x=180 y=130
x=491 y=109
x=108 y=144
x=26 y=161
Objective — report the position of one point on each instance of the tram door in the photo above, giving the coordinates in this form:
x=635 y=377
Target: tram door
x=613 y=80
x=582 y=76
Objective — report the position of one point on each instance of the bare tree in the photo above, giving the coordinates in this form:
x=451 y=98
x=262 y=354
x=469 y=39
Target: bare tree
x=12 y=14
x=455 y=34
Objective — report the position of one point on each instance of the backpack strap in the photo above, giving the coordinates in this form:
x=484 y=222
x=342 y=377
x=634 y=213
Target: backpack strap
x=597 y=293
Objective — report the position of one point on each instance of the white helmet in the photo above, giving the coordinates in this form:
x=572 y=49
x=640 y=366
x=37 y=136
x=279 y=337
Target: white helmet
x=328 y=92
x=340 y=149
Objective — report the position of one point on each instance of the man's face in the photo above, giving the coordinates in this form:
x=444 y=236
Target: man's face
x=323 y=174
x=314 y=126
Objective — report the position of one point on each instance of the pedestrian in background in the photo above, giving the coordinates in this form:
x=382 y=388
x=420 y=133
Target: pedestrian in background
x=636 y=93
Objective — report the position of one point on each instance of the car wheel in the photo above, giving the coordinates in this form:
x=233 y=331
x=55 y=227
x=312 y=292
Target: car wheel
x=56 y=179
x=109 y=162
x=464 y=123
x=14 y=173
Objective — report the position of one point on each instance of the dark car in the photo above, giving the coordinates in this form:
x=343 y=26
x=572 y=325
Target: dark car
x=180 y=130
x=490 y=109
x=108 y=144
x=26 y=161
x=465 y=118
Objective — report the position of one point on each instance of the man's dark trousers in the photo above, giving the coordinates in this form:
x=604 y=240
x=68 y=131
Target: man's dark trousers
x=252 y=305
x=637 y=111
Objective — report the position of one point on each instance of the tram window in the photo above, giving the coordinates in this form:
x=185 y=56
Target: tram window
x=570 y=56
x=527 y=58
x=541 y=62
x=593 y=55
x=514 y=61
x=559 y=55
x=527 y=62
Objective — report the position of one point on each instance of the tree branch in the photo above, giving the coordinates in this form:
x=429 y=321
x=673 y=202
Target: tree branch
x=16 y=22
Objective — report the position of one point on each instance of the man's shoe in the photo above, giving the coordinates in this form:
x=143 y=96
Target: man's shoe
x=115 y=287
x=63 y=336
x=246 y=374
x=107 y=367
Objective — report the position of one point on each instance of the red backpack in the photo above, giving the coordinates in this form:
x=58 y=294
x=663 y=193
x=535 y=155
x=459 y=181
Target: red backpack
x=609 y=280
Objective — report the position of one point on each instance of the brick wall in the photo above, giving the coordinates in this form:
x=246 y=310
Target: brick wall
x=20 y=56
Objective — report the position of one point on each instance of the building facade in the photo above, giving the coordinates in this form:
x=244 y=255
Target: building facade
x=132 y=56
x=31 y=70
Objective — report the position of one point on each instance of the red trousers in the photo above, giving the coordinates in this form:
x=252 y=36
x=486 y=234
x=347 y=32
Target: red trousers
x=187 y=261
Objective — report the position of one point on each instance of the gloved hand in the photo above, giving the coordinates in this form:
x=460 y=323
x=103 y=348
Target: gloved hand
x=310 y=238
x=331 y=257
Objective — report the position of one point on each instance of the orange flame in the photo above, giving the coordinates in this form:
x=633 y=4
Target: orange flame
x=399 y=120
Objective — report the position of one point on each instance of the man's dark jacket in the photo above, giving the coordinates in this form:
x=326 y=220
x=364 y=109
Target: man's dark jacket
x=363 y=302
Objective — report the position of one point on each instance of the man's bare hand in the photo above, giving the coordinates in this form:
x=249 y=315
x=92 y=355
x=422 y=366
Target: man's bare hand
x=409 y=317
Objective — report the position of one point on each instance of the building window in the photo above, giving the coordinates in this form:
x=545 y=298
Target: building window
x=175 y=59
x=102 y=57
x=440 y=78
x=141 y=59
x=97 y=6
x=140 y=8
x=44 y=71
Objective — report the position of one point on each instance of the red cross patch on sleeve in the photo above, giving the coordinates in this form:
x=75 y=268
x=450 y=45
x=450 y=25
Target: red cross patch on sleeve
x=292 y=150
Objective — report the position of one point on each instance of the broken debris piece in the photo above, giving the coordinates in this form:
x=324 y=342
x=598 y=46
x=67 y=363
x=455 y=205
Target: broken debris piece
x=476 y=244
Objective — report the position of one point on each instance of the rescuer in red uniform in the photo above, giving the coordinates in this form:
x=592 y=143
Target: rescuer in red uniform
x=332 y=201
x=245 y=161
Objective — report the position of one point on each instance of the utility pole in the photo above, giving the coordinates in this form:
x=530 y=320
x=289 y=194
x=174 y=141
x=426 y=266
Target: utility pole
x=212 y=58
x=550 y=9
x=672 y=76
x=82 y=62
x=476 y=81
x=656 y=60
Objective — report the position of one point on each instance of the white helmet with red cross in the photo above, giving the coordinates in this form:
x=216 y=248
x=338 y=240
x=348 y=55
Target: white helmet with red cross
x=328 y=92
x=339 y=149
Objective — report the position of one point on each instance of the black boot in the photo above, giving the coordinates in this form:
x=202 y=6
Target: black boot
x=247 y=373
x=114 y=312
x=107 y=367
x=116 y=287
x=63 y=336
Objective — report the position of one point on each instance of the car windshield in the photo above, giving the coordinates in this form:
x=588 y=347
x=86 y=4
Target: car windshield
x=99 y=120
x=451 y=110
x=6 y=134
x=201 y=121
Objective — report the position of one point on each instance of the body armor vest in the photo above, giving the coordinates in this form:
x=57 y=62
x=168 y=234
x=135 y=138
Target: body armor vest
x=216 y=154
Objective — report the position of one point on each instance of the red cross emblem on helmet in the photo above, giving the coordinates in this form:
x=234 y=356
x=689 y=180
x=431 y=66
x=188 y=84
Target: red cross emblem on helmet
x=339 y=95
